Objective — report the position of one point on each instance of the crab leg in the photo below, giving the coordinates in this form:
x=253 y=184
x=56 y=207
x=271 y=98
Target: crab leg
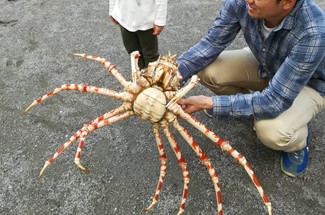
x=89 y=128
x=134 y=65
x=76 y=136
x=111 y=113
x=183 y=91
x=110 y=67
x=83 y=136
x=60 y=150
x=84 y=133
x=204 y=159
x=183 y=164
x=163 y=160
x=78 y=87
x=225 y=146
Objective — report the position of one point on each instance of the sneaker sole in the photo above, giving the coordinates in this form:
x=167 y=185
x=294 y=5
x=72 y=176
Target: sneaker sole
x=288 y=173
x=206 y=113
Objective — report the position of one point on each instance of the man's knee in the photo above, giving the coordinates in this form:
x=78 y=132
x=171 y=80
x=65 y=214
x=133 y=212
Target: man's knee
x=211 y=83
x=274 y=134
x=207 y=77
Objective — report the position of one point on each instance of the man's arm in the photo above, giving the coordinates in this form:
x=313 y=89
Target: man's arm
x=223 y=31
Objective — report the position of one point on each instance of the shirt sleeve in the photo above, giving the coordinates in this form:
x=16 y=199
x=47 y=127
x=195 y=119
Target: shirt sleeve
x=291 y=77
x=161 y=12
x=223 y=31
x=111 y=7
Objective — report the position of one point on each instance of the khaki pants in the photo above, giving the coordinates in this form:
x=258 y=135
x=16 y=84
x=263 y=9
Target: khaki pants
x=237 y=72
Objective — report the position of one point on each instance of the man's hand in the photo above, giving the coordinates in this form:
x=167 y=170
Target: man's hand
x=113 y=20
x=195 y=103
x=157 y=29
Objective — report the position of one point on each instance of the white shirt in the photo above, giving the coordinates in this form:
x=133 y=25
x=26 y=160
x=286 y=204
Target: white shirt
x=266 y=31
x=137 y=15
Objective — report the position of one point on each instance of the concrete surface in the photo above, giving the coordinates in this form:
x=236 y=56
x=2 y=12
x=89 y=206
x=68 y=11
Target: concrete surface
x=36 y=37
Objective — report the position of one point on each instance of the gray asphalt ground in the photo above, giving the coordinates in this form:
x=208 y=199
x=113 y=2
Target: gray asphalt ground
x=36 y=37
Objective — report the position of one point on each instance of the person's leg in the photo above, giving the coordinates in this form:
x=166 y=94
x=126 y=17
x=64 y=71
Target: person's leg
x=288 y=131
x=149 y=46
x=234 y=71
x=131 y=43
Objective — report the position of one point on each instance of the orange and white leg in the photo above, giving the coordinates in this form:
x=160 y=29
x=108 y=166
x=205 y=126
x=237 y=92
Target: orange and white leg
x=115 y=111
x=225 y=146
x=60 y=150
x=77 y=87
x=84 y=133
x=110 y=67
x=204 y=159
x=163 y=160
x=180 y=93
x=89 y=128
x=134 y=65
x=83 y=136
x=183 y=164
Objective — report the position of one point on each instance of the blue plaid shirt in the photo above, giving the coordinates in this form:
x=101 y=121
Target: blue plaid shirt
x=292 y=57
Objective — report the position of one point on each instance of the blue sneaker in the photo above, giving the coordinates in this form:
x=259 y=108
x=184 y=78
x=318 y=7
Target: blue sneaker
x=294 y=163
x=208 y=112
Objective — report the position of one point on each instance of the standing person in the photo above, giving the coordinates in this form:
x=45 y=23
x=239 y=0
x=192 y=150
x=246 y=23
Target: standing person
x=279 y=80
x=140 y=22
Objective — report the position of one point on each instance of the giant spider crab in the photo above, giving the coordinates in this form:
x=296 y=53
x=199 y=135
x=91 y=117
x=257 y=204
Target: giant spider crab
x=152 y=95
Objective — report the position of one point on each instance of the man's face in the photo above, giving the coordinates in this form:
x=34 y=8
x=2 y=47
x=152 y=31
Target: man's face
x=269 y=10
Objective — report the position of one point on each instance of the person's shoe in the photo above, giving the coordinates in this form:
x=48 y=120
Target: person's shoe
x=208 y=112
x=294 y=163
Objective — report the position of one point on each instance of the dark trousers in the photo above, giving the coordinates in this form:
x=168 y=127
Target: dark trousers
x=144 y=42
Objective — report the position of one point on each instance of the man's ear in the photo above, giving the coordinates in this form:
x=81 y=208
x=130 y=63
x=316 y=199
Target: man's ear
x=289 y=4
